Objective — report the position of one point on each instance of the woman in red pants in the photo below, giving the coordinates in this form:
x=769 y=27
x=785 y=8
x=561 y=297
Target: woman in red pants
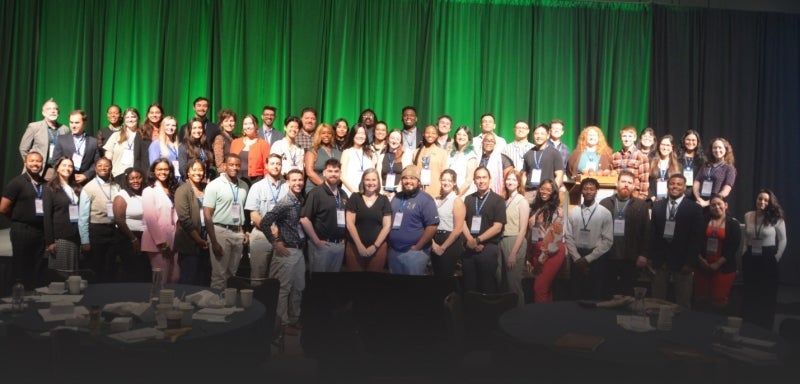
x=546 y=229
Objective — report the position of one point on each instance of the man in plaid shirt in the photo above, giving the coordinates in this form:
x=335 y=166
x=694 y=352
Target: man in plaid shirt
x=632 y=159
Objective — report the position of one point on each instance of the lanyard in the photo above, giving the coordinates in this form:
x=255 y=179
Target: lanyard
x=235 y=192
x=267 y=134
x=662 y=173
x=758 y=227
x=336 y=196
x=202 y=154
x=410 y=143
x=689 y=161
x=711 y=170
x=360 y=158
x=477 y=207
x=79 y=143
x=173 y=150
x=538 y=162
x=620 y=212
x=585 y=221
x=293 y=156
x=37 y=189
x=273 y=191
x=108 y=196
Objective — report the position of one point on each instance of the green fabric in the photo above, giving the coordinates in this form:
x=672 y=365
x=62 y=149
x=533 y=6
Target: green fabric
x=585 y=63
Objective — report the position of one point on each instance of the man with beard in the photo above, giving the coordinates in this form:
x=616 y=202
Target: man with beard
x=288 y=265
x=96 y=222
x=676 y=244
x=268 y=132
x=589 y=234
x=22 y=203
x=41 y=137
x=79 y=147
x=262 y=198
x=486 y=217
x=322 y=218
x=201 y=106
x=631 y=234
x=414 y=222
x=308 y=120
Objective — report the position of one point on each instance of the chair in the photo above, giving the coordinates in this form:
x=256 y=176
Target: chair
x=454 y=319
x=265 y=291
x=481 y=313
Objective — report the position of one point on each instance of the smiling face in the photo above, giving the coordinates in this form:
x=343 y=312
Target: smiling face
x=717 y=207
x=395 y=138
x=274 y=166
x=487 y=124
x=511 y=182
x=592 y=138
x=431 y=134
x=360 y=137
x=368 y=118
x=341 y=130
x=229 y=124
x=540 y=136
x=232 y=166
x=332 y=175
x=589 y=192
x=268 y=117
x=718 y=150
x=50 y=111
x=447 y=183
x=295 y=182
x=545 y=191
x=409 y=118
x=161 y=171
x=113 y=115
x=628 y=138
x=170 y=126
x=291 y=129
x=370 y=181
x=196 y=172
x=521 y=130
x=102 y=167
x=309 y=120
x=676 y=187
x=249 y=127
x=154 y=114
x=196 y=130
x=443 y=125
x=410 y=183
x=664 y=147
x=325 y=135
x=462 y=138
x=647 y=139
x=380 y=132
x=131 y=120
x=625 y=186
x=690 y=142
x=76 y=123
x=556 y=131
x=482 y=180
x=762 y=201
x=33 y=162
x=488 y=143
x=201 y=108
x=65 y=169
x=135 y=180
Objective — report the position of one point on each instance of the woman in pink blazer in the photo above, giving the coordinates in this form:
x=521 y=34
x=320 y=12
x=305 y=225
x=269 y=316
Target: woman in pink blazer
x=160 y=219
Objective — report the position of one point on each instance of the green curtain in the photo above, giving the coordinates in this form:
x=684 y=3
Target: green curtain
x=585 y=63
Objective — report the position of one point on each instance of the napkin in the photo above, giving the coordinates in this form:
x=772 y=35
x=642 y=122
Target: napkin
x=137 y=335
x=205 y=299
x=47 y=316
x=48 y=291
x=746 y=354
x=215 y=315
x=128 y=308
x=635 y=323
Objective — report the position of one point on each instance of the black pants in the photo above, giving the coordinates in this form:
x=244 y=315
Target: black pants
x=620 y=274
x=135 y=265
x=759 y=295
x=445 y=265
x=103 y=255
x=27 y=248
x=480 y=269
x=591 y=285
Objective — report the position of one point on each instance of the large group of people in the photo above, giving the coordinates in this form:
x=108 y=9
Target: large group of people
x=416 y=200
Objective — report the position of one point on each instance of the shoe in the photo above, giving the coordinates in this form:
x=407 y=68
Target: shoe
x=290 y=331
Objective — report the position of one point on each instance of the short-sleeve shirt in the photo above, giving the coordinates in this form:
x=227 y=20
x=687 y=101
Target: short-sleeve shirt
x=320 y=208
x=23 y=193
x=419 y=211
x=369 y=220
x=491 y=208
x=264 y=195
x=548 y=160
x=221 y=194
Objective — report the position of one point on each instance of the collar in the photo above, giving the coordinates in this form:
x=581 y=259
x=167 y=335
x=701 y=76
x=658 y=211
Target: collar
x=590 y=206
x=677 y=201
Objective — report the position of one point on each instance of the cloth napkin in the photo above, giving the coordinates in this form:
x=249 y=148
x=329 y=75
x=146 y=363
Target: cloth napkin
x=205 y=299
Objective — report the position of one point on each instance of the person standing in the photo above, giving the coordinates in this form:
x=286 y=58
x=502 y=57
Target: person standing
x=485 y=219
x=128 y=212
x=323 y=221
x=368 y=220
x=556 y=131
x=412 y=137
x=513 y=246
x=224 y=217
x=765 y=237
x=96 y=222
x=305 y=138
x=127 y=148
x=589 y=236
x=79 y=147
x=546 y=228
x=40 y=136
x=631 y=159
x=190 y=232
x=677 y=230
x=414 y=222
x=159 y=217
x=288 y=265
x=448 y=244
x=22 y=203
x=541 y=162
x=713 y=279
x=487 y=127
x=210 y=130
x=431 y=159
x=114 y=117
x=268 y=131
x=60 y=202
x=262 y=198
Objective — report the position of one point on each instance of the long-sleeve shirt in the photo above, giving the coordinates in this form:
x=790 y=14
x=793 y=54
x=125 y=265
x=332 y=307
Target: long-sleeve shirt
x=93 y=205
x=598 y=224
x=286 y=215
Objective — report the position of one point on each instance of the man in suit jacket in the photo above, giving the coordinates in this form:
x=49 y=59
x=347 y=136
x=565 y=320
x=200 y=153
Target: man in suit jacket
x=79 y=147
x=412 y=136
x=268 y=131
x=40 y=136
x=201 y=105
x=676 y=241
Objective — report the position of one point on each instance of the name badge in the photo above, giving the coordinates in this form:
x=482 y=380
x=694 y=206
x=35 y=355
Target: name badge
x=755 y=247
x=619 y=227
x=398 y=220
x=475 y=227
x=425 y=177
x=536 y=177
x=39 y=207
x=177 y=167
x=688 y=173
x=534 y=235
x=590 y=166
x=705 y=190
x=77 y=160
x=235 y=213
x=390 y=181
x=340 y=218
x=669 y=229
x=202 y=218
x=583 y=238
x=74 y=213
x=300 y=233
x=50 y=153
x=127 y=157
x=661 y=189
x=711 y=245
x=110 y=210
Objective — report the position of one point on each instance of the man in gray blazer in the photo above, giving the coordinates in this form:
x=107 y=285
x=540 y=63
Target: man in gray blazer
x=79 y=147
x=40 y=136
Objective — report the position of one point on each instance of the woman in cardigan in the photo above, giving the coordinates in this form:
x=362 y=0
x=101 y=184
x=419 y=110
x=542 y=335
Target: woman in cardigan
x=716 y=270
x=718 y=174
x=190 y=232
x=253 y=151
x=222 y=143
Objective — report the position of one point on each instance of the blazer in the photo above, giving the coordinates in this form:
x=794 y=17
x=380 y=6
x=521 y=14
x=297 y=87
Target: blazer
x=65 y=146
x=730 y=246
x=189 y=210
x=36 y=139
x=159 y=217
x=687 y=241
x=56 y=217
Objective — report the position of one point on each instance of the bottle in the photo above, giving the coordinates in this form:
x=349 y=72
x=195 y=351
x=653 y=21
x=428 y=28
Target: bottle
x=94 y=320
x=155 y=288
x=17 y=297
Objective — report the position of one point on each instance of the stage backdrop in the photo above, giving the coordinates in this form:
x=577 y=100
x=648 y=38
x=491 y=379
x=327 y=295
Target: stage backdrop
x=724 y=73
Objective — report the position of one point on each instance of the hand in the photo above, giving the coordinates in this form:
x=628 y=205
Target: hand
x=320 y=243
x=362 y=251
x=202 y=244
x=52 y=249
x=582 y=265
x=79 y=178
x=437 y=249
x=137 y=245
x=246 y=238
x=703 y=203
x=479 y=248
x=472 y=243
x=642 y=262
x=280 y=249
x=86 y=248
x=511 y=262
x=217 y=249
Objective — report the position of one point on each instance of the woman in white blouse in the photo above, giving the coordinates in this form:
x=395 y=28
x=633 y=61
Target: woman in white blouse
x=356 y=158
x=463 y=160
x=765 y=237
x=447 y=245
x=293 y=156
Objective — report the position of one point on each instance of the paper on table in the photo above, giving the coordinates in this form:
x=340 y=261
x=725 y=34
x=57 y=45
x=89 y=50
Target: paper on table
x=48 y=317
x=210 y=318
x=48 y=291
x=205 y=298
x=635 y=323
x=220 y=311
x=746 y=354
x=755 y=342
x=137 y=335
x=53 y=298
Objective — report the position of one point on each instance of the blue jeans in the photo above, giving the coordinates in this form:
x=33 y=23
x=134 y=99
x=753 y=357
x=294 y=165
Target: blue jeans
x=408 y=262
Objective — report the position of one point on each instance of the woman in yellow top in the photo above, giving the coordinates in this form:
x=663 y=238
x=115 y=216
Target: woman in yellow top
x=431 y=160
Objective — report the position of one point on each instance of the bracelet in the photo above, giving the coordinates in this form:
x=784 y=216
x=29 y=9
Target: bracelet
x=375 y=245
x=478 y=239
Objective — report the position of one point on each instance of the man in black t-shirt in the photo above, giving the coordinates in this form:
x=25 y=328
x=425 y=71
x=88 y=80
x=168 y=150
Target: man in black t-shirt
x=485 y=219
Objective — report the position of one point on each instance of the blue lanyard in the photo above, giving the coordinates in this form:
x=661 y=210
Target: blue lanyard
x=537 y=162
x=689 y=161
x=620 y=212
x=360 y=158
x=477 y=207
x=267 y=134
x=293 y=156
x=711 y=170
x=410 y=143
x=37 y=189
x=273 y=191
x=202 y=154
x=585 y=221
x=234 y=193
x=662 y=173
x=173 y=151
x=336 y=196
x=79 y=143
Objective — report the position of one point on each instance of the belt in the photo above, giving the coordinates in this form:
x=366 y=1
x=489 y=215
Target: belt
x=104 y=224
x=335 y=241
x=233 y=228
x=442 y=231
x=292 y=245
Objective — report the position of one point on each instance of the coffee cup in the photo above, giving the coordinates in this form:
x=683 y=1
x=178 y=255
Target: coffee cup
x=56 y=287
x=246 y=297
x=735 y=323
x=74 y=285
x=230 y=297
x=174 y=318
x=187 y=309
